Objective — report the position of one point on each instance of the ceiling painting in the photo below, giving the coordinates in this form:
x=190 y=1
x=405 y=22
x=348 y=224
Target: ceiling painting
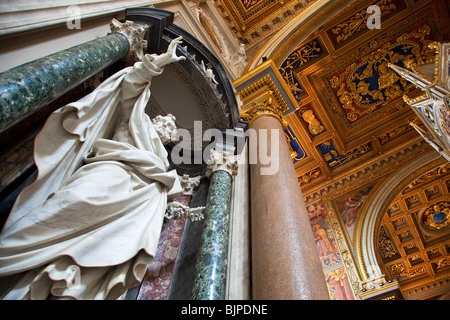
x=368 y=84
x=350 y=106
x=349 y=207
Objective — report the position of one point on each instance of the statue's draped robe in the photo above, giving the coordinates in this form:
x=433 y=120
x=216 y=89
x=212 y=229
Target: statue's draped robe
x=101 y=224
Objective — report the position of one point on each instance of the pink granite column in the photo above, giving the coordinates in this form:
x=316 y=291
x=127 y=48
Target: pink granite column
x=285 y=262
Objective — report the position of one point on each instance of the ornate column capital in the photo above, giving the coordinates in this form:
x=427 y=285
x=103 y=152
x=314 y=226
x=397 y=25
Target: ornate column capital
x=263 y=91
x=222 y=160
x=266 y=107
x=188 y=184
x=135 y=35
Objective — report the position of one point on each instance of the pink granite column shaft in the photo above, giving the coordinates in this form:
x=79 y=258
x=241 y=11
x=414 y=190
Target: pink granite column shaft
x=285 y=262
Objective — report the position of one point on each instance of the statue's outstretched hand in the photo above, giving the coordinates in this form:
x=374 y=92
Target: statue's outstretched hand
x=169 y=56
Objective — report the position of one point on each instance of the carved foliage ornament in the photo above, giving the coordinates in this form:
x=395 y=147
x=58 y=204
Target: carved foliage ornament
x=358 y=22
x=176 y=210
x=165 y=128
x=222 y=160
x=437 y=217
x=135 y=35
x=188 y=184
x=266 y=107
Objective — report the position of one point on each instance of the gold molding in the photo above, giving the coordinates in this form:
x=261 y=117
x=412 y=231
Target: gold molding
x=265 y=108
x=264 y=92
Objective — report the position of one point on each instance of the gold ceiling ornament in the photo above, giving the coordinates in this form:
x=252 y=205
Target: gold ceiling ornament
x=261 y=85
x=368 y=84
x=432 y=175
x=437 y=217
x=338 y=275
x=358 y=21
x=314 y=126
x=266 y=107
x=399 y=271
x=385 y=244
x=264 y=92
x=442 y=263
x=309 y=176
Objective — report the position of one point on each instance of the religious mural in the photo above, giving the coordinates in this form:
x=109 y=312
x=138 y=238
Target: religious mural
x=338 y=285
x=349 y=207
x=336 y=277
x=323 y=235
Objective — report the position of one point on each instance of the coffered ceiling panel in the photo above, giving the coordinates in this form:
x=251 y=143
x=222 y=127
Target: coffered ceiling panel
x=350 y=107
x=414 y=238
x=252 y=20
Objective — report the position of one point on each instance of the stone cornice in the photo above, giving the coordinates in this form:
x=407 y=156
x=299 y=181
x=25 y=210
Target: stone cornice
x=45 y=13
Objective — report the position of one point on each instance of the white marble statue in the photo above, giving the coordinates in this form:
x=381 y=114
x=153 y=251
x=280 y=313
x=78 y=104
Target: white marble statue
x=89 y=232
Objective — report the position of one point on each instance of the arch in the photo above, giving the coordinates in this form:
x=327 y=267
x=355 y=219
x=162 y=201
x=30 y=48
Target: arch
x=296 y=31
x=382 y=196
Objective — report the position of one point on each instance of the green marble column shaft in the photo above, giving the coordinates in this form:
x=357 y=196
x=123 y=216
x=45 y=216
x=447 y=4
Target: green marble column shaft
x=30 y=86
x=211 y=267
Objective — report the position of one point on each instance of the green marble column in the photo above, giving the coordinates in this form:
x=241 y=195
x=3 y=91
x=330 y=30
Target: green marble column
x=211 y=266
x=30 y=86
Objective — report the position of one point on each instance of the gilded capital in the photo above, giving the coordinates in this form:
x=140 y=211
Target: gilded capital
x=267 y=107
x=263 y=91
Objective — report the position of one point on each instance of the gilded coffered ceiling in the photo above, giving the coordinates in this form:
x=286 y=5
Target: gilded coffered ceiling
x=350 y=103
x=253 y=20
x=414 y=239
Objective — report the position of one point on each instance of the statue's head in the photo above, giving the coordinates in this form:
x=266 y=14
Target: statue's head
x=165 y=128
